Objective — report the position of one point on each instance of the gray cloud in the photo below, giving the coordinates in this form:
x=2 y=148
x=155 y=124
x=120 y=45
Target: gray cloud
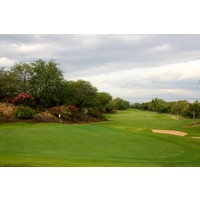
x=90 y=55
x=96 y=50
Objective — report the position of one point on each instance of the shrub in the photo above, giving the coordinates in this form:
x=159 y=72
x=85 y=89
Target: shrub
x=23 y=99
x=69 y=113
x=56 y=110
x=45 y=116
x=72 y=113
x=23 y=112
x=6 y=109
x=73 y=108
x=95 y=113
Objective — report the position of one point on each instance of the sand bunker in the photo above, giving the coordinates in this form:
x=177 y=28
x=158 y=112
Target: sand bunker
x=169 y=132
x=196 y=137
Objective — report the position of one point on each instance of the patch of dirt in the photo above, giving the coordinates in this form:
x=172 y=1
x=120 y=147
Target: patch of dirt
x=178 y=133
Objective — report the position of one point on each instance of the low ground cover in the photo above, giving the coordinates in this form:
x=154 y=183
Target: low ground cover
x=125 y=140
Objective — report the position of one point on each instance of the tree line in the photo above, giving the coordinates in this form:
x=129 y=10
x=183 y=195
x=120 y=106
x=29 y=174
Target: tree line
x=41 y=85
x=180 y=108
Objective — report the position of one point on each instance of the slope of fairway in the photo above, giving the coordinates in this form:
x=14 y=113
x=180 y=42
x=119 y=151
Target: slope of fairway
x=125 y=140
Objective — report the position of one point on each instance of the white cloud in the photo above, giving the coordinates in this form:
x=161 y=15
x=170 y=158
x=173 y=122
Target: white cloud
x=30 y=48
x=177 y=79
x=5 y=62
x=27 y=48
x=160 y=48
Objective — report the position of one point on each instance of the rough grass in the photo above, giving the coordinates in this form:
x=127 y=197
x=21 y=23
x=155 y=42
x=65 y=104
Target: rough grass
x=45 y=116
x=125 y=140
x=6 y=109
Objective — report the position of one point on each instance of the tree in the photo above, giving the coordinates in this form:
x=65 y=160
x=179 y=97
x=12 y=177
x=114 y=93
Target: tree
x=136 y=106
x=121 y=104
x=46 y=82
x=22 y=72
x=102 y=100
x=110 y=107
x=8 y=84
x=162 y=106
x=81 y=94
x=180 y=107
x=154 y=105
x=194 y=109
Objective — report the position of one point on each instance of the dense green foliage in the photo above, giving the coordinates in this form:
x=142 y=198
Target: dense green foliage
x=8 y=84
x=120 y=104
x=23 y=112
x=43 y=80
x=41 y=85
x=103 y=100
x=125 y=140
x=179 y=108
x=81 y=94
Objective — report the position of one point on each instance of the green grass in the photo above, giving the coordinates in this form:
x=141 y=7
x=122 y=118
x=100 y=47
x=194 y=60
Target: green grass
x=125 y=140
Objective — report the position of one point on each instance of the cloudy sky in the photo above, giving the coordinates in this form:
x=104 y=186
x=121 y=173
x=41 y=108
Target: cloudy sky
x=134 y=67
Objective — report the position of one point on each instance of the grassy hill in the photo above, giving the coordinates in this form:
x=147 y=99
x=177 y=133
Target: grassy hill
x=125 y=140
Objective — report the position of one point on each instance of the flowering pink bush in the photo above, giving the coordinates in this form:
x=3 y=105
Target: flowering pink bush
x=23 y=99
x=69 y=113
x=73 y=108
x=56 y=110
x=72 y=115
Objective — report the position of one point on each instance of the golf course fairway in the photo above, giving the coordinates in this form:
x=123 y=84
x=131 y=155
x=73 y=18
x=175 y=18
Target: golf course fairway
x=126 y=139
